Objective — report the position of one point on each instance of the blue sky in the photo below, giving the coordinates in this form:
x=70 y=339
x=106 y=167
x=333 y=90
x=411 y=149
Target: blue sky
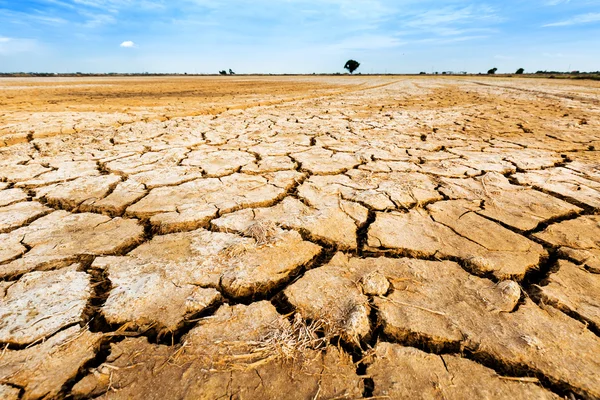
x=298 y=36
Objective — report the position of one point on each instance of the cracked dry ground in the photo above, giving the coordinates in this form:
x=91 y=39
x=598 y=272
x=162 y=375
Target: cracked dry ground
x=348 y=238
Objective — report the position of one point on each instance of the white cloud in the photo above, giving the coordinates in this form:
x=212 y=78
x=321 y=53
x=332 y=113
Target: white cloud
x=577 y=20
x=128 y=44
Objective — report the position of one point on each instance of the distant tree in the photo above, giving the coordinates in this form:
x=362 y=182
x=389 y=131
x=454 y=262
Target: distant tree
x=492 y=71
x=352 y=66
x=231 y=72
x=223 y=72
x=520 y=71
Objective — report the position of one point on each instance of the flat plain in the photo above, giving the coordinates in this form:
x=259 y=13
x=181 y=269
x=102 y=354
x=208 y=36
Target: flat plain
x=299 y=237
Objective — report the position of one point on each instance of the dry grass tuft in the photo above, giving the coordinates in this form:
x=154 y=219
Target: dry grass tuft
x=288 y=341
x=291 y=342
x=264 y=232
x=235 y=250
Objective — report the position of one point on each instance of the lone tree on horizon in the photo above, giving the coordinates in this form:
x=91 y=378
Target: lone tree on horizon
x=352 y=65
x=520 y=71
x=492 y=71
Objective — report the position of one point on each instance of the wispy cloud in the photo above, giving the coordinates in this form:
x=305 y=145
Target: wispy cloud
x=453 y=16
x=36 y=17
x=577 y=20
x=362 y=9
x=128 y=44
x=93 y=20
x=451 y=24
x=367 y=42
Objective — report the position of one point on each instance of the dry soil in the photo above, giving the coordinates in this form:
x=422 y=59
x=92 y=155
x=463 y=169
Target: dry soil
x=299 y=237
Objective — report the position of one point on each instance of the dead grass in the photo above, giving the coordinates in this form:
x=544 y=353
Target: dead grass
x=288 y=341
x=296 y=342
x=264 y=232
x=235 y=250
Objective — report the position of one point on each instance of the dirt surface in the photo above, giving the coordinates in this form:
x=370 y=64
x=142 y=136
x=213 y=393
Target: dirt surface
x=305 y=237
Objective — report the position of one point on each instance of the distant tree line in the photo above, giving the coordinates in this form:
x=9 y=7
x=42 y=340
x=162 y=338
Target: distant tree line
x=92 y=74
x=567 y=73
x=351 y=66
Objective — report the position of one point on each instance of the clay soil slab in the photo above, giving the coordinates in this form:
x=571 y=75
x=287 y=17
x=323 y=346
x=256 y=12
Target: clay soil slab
x=9 y=392
x=10 y=248
x=147 y=295
x=574 y=290
x=41 y=303
x=325 y=162
x=174 y=277
x=43 y=369
x=450 y=168
x=516 y=206
x=169 y=176
x=19 y=214
x=270 y=164
x=379 y=191
x=219 y=163
x=223 y=357
x=404 y=372
x=191 y=205
x=590 y=168
x=442 y=305
x=336 y=223
x=10 y=196
x=485 y=161
x=535 y=159
x=333 y=295
x=577 y=239
x=148 y=161
x=564 y=182
x=71 y=194
x=60 y=238
x=454 y=229
x=114 y=204
x=19 y=172
x=63 y=172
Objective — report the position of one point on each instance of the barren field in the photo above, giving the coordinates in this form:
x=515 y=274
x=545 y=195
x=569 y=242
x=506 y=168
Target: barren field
x=299 y=238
